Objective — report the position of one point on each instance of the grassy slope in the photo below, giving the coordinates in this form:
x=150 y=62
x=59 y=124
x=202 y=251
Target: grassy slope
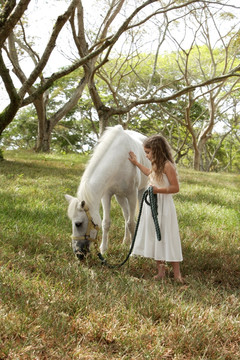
x=53 y=307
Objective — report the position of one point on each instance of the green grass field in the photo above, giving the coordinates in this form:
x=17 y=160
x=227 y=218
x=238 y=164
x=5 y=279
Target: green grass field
x=54 y=307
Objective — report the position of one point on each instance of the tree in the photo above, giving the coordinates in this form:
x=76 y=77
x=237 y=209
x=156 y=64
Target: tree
x=223 y=60
x=121 y=19
x=87 y=60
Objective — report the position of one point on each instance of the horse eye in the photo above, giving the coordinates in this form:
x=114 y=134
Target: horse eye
x=78 y=224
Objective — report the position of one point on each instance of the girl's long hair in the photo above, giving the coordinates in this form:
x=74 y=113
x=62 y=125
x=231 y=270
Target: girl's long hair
x=161 y=152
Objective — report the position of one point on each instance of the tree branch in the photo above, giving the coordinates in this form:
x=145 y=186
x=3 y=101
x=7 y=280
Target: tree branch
x=124 y=110
x=49 y=48
x=12 y=20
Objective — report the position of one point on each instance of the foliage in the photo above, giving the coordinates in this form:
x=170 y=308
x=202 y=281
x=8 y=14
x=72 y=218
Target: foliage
x=22 y=132
x=73 y=134
x=127 y=54
x=78 y=131
x=117 y=83
x=53 y=307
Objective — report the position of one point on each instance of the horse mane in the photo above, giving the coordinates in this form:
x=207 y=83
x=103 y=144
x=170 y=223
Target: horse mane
x=73 y=207
x=104 y=143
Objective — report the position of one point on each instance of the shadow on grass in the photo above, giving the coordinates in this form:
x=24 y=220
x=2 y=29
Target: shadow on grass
x=12 y=169
x=43 y=231
x=213 y=267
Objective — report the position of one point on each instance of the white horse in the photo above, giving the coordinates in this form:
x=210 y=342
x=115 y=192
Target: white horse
x=108 y=173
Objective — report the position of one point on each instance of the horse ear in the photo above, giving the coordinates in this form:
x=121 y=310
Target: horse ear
x=83 y=204
x=68 y=197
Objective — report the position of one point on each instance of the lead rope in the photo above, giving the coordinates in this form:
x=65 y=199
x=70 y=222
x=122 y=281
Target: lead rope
x=153 y=204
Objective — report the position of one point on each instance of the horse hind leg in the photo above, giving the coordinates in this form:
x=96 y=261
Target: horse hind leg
x=140 y=194
x=132 y=202
x=123 y=202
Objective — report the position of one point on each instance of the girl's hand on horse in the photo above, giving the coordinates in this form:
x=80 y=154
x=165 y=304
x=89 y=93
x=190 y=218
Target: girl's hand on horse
x=132 y=158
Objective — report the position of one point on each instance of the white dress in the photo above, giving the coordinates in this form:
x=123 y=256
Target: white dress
x=146 y=243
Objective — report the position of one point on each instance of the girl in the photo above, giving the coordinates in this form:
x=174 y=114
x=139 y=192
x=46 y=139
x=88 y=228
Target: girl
x=163 y=178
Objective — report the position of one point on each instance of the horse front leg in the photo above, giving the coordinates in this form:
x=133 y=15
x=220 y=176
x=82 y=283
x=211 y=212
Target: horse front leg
x=123 y=202
x=106 y=205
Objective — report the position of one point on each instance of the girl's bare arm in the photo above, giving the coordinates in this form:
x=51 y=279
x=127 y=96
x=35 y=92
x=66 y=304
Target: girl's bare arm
x=133 y=159
x=173 y=187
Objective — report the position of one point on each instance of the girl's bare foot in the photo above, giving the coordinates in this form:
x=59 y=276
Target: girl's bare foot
x=179 y=280
x=159 y=277
x=176 y=271
x=161 y=271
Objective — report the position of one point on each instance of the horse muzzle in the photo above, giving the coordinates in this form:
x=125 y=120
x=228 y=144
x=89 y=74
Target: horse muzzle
x=81 y=248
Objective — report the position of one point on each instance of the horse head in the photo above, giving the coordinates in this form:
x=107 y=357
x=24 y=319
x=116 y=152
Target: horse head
x=84 y=231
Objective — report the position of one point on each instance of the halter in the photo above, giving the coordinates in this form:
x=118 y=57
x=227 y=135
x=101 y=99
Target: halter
x=91 y=226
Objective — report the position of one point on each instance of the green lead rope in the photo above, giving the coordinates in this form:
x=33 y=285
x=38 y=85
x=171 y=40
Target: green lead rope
x=154 y=209
x=152 y=202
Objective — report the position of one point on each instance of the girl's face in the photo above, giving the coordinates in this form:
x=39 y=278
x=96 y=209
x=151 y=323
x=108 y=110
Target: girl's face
x=148 y=153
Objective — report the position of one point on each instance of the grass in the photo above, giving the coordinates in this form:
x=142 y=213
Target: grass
x=54 y=307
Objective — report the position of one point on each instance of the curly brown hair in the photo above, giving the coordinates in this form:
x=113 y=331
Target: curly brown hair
x=161 y=152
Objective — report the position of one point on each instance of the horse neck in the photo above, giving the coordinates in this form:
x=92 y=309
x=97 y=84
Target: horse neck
x=95 y=179
x=91 y=193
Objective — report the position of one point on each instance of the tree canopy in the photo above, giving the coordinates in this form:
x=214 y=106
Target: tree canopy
x=171 y=67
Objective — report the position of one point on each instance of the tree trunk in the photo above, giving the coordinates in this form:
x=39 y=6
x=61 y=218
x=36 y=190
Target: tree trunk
x=7 y=115
x=44 y=125
x=201 y=145
x=103 y=120
x=44 y=137
x=197 y=159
